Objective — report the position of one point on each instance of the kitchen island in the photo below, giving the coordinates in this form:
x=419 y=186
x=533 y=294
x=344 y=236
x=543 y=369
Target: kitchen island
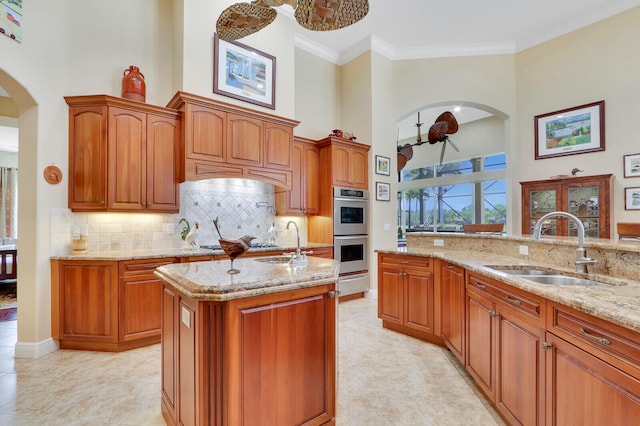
x=257 y=347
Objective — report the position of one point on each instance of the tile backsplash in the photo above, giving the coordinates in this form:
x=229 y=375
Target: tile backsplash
x=242 y=206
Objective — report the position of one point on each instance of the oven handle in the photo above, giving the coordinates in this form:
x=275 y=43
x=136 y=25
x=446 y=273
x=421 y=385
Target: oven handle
x=348 y=237
x=357 y=200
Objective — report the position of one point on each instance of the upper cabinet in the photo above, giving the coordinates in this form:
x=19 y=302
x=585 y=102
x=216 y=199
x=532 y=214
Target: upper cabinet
x=587 y=197
x=348 y=162
x=225 y=140
x=123 y=155
x=303 y=198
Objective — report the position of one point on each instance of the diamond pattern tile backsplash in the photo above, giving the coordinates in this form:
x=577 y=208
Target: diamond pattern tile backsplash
x=242 y=207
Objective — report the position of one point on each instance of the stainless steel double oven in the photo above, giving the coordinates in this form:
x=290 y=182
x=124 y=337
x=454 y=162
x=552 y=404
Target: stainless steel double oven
x=351 y=239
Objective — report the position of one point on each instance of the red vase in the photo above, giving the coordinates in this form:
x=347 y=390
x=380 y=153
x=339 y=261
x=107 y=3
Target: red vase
x=133 y=86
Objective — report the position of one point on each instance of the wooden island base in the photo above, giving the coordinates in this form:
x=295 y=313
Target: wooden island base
x=267 y=359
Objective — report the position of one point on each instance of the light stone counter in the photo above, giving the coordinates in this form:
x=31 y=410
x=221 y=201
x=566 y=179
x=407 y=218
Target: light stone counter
x=177 y=252
x=616 y=299
x=210 y=281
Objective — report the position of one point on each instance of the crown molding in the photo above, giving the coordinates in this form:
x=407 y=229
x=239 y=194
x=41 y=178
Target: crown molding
x=315 y=48
x=447 y=51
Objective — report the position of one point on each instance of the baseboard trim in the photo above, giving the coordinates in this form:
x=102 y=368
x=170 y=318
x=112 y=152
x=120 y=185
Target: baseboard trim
x=371 y=294
x=36 y=350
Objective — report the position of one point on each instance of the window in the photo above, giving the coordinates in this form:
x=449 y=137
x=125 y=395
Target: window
x=445 y=197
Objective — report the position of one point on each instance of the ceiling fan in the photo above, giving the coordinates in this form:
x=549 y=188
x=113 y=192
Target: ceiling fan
x=445 y=125
x=241 y=19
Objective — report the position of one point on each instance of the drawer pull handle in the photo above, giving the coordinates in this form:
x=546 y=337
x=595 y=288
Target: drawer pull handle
x=151 y=266
x=403 y=262
x=512 y=300
x=601 y=340
x=482 y=286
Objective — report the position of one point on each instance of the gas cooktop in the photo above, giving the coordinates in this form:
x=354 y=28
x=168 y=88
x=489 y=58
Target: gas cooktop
x=253 y=245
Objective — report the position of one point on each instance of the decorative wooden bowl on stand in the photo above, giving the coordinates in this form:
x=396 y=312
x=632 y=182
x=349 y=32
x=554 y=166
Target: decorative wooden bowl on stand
x=233 y=248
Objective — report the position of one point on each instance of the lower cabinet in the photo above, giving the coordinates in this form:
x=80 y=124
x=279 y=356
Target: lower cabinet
x=246 y=361
x=406 y=295
x=452 y=308
x=106 y=305
x=504 y=348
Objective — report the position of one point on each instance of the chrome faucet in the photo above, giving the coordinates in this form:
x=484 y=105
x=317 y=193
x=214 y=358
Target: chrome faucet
x=299 y=257
x=581 y=259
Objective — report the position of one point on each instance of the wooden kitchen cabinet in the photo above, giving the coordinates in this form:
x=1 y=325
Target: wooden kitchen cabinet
x=230 y=141
x=106 y=305
x=452 y=309
x=123 y=155
x=505 y=332
x=348 y=162
x=215 y=353
x=587 y=197
x=406 y=295
x=593 y=373
x=303 y=198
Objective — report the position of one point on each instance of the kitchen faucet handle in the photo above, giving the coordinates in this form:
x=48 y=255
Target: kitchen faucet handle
x=304 y=253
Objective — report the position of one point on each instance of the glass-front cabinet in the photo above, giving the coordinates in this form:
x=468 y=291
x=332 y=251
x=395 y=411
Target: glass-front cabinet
x=587 y=197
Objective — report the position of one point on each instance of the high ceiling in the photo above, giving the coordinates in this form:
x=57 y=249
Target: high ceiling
x=405 y=29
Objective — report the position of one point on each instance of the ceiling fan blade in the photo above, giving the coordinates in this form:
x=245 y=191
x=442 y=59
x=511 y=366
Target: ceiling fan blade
x=275 y=3
x=241 y=19
x=452 y=123
x=402 y=161
x=437 y=132
x=444 y=147
x=328 y=15
x=453 y=145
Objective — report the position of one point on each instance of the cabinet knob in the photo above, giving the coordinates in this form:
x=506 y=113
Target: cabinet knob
x=492 y=313
x=546 y=345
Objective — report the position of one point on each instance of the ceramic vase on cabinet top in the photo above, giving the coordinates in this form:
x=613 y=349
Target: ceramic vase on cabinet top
x=133 y=86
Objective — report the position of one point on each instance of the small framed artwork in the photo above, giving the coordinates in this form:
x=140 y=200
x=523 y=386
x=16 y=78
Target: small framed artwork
x=570 y=131
x=383 y=191
x=382 y=165
x=632 y=165
x=632 y=198
x=244 y=73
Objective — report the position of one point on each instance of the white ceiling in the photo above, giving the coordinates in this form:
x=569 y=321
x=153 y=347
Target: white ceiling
x=407 y=29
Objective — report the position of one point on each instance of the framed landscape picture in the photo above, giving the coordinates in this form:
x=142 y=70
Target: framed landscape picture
x=632 y=198
x=383 y=191
x=244 y=73
x=570 y=131
x=631 y=165
x=382 y=165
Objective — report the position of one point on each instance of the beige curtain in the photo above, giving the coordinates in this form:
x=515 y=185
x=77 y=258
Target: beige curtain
x=8 y=202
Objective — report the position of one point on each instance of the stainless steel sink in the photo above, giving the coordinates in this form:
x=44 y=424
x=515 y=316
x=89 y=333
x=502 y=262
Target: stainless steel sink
x=273 y=259
x=549 y=276
x=560 y=280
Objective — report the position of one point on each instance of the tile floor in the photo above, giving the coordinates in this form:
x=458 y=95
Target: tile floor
x=385 y=378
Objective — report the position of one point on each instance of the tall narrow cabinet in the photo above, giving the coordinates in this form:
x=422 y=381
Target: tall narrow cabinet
x=587 y=197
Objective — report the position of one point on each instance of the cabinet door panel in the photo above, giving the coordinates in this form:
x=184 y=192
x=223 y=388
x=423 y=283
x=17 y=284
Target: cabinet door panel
x=452 y=308
x=278 y=142
x=244 y=140
x=518 y=393
x=312 y=179
x=169 y=326
x=89 y=302
x=205 y=133
x=583 y=390
x=418 y=300
x=163 y=136
x=359 y=168
x=140 y=307
x=481 y=342
x=127 y=156
x=340 y=165
x=391 y=294
x=88 y=158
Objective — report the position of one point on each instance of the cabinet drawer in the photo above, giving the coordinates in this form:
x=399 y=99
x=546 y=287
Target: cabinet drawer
x=508 y=296
x=596 y=333
x=407 y=261
x=144 y=266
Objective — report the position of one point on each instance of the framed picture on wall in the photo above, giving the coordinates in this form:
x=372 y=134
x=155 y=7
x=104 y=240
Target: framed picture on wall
x=570 y=131
x=632 y=198
x=631 y=165
x=383 y=191
x=383 y=165
x=244 y=73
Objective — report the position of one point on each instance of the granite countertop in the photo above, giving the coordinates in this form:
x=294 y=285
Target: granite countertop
x=616 y=300
x=175 y=252
x=209 y=280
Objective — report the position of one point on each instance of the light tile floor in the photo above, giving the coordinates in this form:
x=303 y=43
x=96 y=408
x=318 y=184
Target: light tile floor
x=385 y=378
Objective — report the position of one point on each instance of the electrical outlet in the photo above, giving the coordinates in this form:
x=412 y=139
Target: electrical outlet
x=524 y=250
x=438 y=243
